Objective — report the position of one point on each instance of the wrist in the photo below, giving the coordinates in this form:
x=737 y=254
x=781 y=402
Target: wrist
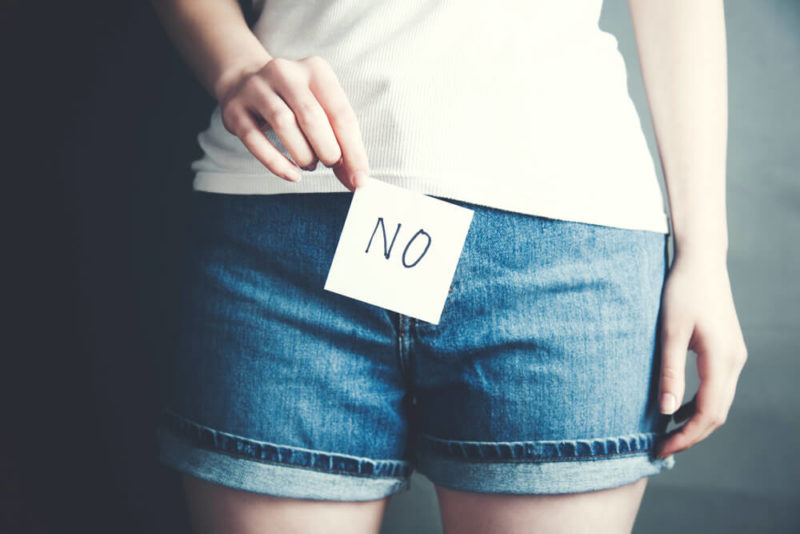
x=706 y=237
x=706 y=251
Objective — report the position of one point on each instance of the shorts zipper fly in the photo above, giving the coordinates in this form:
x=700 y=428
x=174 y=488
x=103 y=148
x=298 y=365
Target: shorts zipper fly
x=404 y=344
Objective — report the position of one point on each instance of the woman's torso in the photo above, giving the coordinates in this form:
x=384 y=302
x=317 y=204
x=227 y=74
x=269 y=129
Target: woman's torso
x=518 y=105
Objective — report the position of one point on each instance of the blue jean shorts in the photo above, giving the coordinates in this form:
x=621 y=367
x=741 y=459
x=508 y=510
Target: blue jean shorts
x=540 y=378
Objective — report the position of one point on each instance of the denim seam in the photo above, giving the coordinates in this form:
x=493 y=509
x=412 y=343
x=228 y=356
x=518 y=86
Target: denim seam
x=295 y=466
x=548 y=450
x=411 y=332
x=404 y=346
x=265 y=452
x=535 y=459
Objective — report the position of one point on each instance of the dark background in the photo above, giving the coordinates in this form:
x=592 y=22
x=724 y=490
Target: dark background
x=100 y=123
x=103 y=121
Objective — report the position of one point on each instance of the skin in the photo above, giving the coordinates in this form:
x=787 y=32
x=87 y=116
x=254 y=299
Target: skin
x=215 y=509
x=300 y=100
x=682 y=52
x=683 y=55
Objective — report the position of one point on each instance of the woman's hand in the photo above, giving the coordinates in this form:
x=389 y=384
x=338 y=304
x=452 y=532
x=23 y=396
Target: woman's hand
x=304 y=104
x=301 y=100
x=698 y=313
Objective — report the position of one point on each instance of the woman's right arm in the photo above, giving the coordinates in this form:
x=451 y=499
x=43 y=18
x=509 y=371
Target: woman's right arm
x=212 y=36
x=301 y=100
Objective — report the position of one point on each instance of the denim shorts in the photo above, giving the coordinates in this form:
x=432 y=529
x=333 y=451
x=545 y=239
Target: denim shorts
x=540 y=378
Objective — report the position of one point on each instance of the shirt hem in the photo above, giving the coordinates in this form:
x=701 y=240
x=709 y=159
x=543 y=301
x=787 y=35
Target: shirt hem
x=268 y=184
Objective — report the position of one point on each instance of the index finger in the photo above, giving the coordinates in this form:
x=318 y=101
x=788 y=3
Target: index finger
x=343 y=120
x=708 y=400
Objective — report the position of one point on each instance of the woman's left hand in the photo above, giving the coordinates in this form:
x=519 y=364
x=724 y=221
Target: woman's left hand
x=698 y=313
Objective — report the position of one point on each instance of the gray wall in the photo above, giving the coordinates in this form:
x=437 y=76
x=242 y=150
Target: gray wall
x=745 y=477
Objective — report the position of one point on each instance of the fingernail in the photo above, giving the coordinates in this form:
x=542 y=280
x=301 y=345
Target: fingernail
x=667 y=403
x=359 y=178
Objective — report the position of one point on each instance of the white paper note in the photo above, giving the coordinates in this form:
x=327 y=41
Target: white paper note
x=399 y=250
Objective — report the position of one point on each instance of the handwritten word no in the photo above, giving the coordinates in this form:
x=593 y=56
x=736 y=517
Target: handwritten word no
x=387 y=247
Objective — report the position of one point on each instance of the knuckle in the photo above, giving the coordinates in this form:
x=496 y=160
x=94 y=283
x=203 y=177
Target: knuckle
x=720 y=418
x=314 y=61
x=741 y=356
x=276 y=64
x=306 y=111
x=232 y=120
x=680 y=443
x=342 y=117
x=704 y=417
x=248 y=137
x=281 y=119
x=670 y=374
x=268 y=107
x=320 y=70
x=280 y=68
x=736 y=358
x=716 y=420
x=687 y=440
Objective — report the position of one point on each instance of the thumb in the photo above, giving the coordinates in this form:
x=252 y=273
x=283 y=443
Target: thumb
x=673 y=368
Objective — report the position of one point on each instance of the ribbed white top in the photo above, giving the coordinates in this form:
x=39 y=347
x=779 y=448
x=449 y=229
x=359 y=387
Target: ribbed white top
x=521 y=106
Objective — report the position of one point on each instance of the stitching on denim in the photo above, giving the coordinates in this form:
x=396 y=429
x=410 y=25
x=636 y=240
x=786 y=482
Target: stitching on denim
x=237 y=446
x=402 y=348
x=542 y=460
x=400 y=480
x=552 y=450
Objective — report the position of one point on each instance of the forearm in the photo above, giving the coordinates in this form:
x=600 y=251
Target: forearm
x=683 y=57
x=213 y=38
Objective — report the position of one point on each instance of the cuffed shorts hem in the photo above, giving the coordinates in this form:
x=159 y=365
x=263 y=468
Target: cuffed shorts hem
x=541 y=467
x=550 y=332
x=245 y=464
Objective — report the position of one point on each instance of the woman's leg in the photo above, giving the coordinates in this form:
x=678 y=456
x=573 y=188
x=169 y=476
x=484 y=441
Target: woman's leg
x=216 y=509
x=607 y=511
x=286 y=405
x=536 y=394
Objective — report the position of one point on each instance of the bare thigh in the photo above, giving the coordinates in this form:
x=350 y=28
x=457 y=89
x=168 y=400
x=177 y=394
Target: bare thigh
x=215 y=509
x=608 y=511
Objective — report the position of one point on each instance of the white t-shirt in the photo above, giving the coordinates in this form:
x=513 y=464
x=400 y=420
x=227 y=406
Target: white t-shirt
x=519 y=105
